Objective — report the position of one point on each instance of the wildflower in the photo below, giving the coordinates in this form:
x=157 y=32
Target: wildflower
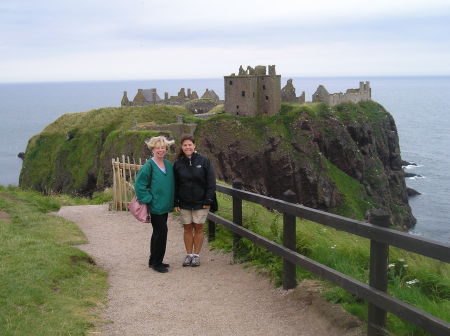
x=401 y=260
x=405 y=265
x=334 y=246
x=412 y=282
x=391 y=265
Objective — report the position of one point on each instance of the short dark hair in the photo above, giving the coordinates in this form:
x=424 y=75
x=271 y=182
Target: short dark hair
x=184 y=137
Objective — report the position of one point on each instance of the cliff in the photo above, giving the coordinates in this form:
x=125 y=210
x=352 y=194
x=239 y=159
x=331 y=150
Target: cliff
x=344 y=159
x=73 y=154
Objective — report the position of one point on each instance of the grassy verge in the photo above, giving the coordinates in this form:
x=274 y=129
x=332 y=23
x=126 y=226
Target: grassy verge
x=47 y=287
x=420 y=281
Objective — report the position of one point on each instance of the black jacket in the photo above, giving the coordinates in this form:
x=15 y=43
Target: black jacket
x=195 y=182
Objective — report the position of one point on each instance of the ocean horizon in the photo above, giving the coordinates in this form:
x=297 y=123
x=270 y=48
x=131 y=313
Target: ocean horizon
x=419 y=104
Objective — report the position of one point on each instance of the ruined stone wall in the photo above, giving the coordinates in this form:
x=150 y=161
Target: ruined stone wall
x=363 y=93
x=241 y=95
x=321 y=95
x=288 y=94
x=269 y=95
x=146 y=97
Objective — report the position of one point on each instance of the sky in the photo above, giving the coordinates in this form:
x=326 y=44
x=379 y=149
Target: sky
x=65 y=40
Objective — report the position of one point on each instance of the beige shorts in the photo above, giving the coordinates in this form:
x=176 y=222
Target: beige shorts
x=193 y=216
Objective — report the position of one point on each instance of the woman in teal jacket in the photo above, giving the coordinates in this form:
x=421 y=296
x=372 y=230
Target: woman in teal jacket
x=154 y=186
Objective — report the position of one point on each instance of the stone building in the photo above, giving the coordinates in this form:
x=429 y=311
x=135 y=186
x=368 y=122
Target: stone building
x=146 y=97
x=253 y=91
x=363 y=93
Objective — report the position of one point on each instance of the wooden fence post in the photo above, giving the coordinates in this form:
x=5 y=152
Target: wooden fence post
x=289 y=241
x=378 y=275
x=237 y=217
x=211 y=230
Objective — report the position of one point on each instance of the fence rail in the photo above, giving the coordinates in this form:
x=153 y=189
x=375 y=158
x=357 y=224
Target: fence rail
x=381 y=237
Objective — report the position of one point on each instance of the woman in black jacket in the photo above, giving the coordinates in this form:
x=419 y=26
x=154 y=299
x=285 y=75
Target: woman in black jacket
x=195 y=185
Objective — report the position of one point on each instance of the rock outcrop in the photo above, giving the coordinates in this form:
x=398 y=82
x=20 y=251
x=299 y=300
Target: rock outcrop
x=345 y=159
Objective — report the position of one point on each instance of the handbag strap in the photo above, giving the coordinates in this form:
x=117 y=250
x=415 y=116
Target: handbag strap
x=150 y=177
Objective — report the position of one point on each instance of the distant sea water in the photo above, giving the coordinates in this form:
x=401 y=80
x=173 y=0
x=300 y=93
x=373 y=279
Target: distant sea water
x=420 y=106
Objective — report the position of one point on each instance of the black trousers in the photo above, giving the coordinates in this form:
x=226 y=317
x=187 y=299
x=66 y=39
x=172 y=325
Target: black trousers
x=159 y=239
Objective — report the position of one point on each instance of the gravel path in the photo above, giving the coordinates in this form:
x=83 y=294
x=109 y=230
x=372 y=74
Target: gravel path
x=217 y=298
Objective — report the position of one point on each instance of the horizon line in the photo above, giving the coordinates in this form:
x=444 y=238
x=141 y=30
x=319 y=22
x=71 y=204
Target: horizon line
x=213 y=78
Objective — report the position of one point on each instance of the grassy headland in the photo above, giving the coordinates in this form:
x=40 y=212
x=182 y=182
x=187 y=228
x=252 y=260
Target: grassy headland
x=73 y=154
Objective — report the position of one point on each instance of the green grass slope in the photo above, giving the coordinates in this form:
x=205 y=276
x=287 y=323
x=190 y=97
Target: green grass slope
x=47 y=287
x=73 y=154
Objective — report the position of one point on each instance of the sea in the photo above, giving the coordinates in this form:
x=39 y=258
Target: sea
x=419 y=105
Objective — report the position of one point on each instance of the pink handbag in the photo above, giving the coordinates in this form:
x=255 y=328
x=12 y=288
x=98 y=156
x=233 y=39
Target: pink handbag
x=139 y=210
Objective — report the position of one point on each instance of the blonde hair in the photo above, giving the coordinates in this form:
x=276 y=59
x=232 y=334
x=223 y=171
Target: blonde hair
x=154 y=141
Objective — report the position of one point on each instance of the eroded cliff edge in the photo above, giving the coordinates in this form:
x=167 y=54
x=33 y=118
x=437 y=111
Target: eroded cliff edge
x=344 y=159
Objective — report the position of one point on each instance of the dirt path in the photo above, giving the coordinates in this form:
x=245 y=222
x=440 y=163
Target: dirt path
x=217 y=298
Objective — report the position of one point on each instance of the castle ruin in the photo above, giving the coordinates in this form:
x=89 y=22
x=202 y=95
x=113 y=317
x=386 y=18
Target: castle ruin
x=146 y=97
x=363 y=93
x=253 y=92
x=288 y=94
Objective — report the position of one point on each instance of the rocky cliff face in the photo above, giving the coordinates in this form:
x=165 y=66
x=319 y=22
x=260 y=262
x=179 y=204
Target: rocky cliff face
x=344 y=159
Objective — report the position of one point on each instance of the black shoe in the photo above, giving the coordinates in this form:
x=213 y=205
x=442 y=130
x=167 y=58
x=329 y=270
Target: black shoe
x=160 y=269
x=162 y=264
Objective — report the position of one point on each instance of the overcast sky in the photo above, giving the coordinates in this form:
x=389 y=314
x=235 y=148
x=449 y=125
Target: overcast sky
x=64 y=40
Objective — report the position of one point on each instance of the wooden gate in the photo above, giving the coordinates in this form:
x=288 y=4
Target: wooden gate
x=124 y=176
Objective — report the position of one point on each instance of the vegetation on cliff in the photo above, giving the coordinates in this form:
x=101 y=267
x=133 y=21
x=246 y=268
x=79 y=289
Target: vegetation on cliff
x=345 y=158
x=73 y=154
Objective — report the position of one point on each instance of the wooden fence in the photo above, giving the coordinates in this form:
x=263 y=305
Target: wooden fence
x=124 y=175
x=381 y=237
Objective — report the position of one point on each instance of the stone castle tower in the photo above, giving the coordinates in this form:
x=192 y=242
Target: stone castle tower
x=253 y=92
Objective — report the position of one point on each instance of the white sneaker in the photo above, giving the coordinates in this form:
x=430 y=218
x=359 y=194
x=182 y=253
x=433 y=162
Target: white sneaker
x=195 y=261
x=187 y=261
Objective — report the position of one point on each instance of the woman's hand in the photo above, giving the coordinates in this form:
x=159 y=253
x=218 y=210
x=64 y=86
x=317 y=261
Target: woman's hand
x=177 y=209
x=206 y=206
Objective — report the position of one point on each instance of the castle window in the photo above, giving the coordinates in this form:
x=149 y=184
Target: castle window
x=243 y=93
x=231 y=82
x=237 y=106
x=253 y=95
x=267 y=98
x=264 y=87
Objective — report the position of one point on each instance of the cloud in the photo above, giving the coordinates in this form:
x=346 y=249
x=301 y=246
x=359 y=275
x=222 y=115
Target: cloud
x=118 y=39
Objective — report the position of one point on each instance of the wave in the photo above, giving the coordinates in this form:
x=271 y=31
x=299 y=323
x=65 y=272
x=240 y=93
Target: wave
x=412 y=166
x=416 y=177
x=415 y=232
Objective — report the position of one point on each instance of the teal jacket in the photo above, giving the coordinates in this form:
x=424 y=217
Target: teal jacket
x=160 y=195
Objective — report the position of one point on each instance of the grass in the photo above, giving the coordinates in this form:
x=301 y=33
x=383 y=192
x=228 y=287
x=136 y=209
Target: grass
x=417 y=280
x=73 y=154
x=47 y=286
x=355 y=204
